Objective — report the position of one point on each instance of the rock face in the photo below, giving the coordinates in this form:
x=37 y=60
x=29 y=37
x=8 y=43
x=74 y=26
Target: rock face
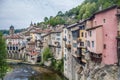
x=100 y=72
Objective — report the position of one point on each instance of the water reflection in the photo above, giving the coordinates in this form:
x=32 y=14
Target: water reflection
x=25 y=72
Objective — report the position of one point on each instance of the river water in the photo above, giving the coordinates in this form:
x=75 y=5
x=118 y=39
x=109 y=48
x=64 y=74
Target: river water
x=26 y=72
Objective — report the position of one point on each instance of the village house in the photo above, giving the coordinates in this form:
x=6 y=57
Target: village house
x=81 y=47
x=15 y=45
x=33 y=38
x=74 y=34
x=66 y=52
x=74 y=41
x=37 y=40
x=118 y=35
x=101 y=36
x=56 y=42
x=44 y=43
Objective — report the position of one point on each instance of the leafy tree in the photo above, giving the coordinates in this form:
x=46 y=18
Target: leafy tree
x=60 y=13
x=3 y=63
x=47 y=54
x=83 y=11
x=45 y=19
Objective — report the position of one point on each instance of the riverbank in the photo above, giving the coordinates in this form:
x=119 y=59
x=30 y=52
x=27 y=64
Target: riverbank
x=58 y=72
x=20 y=70
x=19 y=62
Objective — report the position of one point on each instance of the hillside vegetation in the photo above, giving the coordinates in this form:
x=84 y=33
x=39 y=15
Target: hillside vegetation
x=83 y=11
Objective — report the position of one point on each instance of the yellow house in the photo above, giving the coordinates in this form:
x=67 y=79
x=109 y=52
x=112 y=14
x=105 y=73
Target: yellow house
x=32 y=35
x=82 y=42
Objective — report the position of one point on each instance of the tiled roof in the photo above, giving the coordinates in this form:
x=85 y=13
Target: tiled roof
x=109 y=8
x=13 y=37
x=34 y=53
x=58 y=29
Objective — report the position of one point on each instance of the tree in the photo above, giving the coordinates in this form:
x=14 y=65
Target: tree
x=47 y=54
x=60 y=13
x=45 y=19
x=3 y=56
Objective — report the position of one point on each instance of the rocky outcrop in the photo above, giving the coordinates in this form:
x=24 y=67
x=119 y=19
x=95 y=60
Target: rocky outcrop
x=99 y=72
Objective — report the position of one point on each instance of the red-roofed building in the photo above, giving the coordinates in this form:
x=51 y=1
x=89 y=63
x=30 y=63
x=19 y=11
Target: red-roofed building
x=15 y=45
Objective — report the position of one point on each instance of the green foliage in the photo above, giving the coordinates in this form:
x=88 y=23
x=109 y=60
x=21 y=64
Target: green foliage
x=3 y=63
x=45 y=19
x=60 y=13
x=53 y=21
x=42 y=25
x=47 y=54
x=7 y=31
x=4 y=31
x=58 y=64
x=83 y=11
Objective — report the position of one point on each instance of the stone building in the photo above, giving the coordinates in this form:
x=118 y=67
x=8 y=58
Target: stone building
x=15 y=45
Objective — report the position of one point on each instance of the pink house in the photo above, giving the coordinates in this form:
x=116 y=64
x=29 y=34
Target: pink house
x=101 y=36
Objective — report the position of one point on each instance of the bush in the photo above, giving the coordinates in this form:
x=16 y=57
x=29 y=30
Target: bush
x=57 y=64
x=47 y=54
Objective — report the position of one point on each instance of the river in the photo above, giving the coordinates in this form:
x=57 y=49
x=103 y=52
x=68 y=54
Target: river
x=27 y=72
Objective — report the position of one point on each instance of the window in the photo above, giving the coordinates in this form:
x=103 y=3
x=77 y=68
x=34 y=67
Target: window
x=65 y=31
x=92 y=43
x=104 y=46
x=82 y=34
x=58 y=39
x=65 y=57
x=58 y=34
x=58 y=51
x=13 y=48
x=16 y=48
x=7 y=48
x=74 y=45
x=10 y=48
x=69 y=35
x=81 y=43
x=82 y=27
x=104 y=20
x=88 y=43
x=85 y=35
x=53 y=38
x=90 y=33
x=65 y=50
x=75 y=34
x=69 y=42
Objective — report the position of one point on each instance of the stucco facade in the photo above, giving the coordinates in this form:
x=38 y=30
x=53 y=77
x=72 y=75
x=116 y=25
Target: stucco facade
x=103 y=30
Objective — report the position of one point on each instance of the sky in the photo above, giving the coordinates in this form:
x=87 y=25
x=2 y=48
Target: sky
x=20 y=13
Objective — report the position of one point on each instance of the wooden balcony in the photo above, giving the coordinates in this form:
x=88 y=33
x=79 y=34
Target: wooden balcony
x=68 y=46
x=96 y=57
